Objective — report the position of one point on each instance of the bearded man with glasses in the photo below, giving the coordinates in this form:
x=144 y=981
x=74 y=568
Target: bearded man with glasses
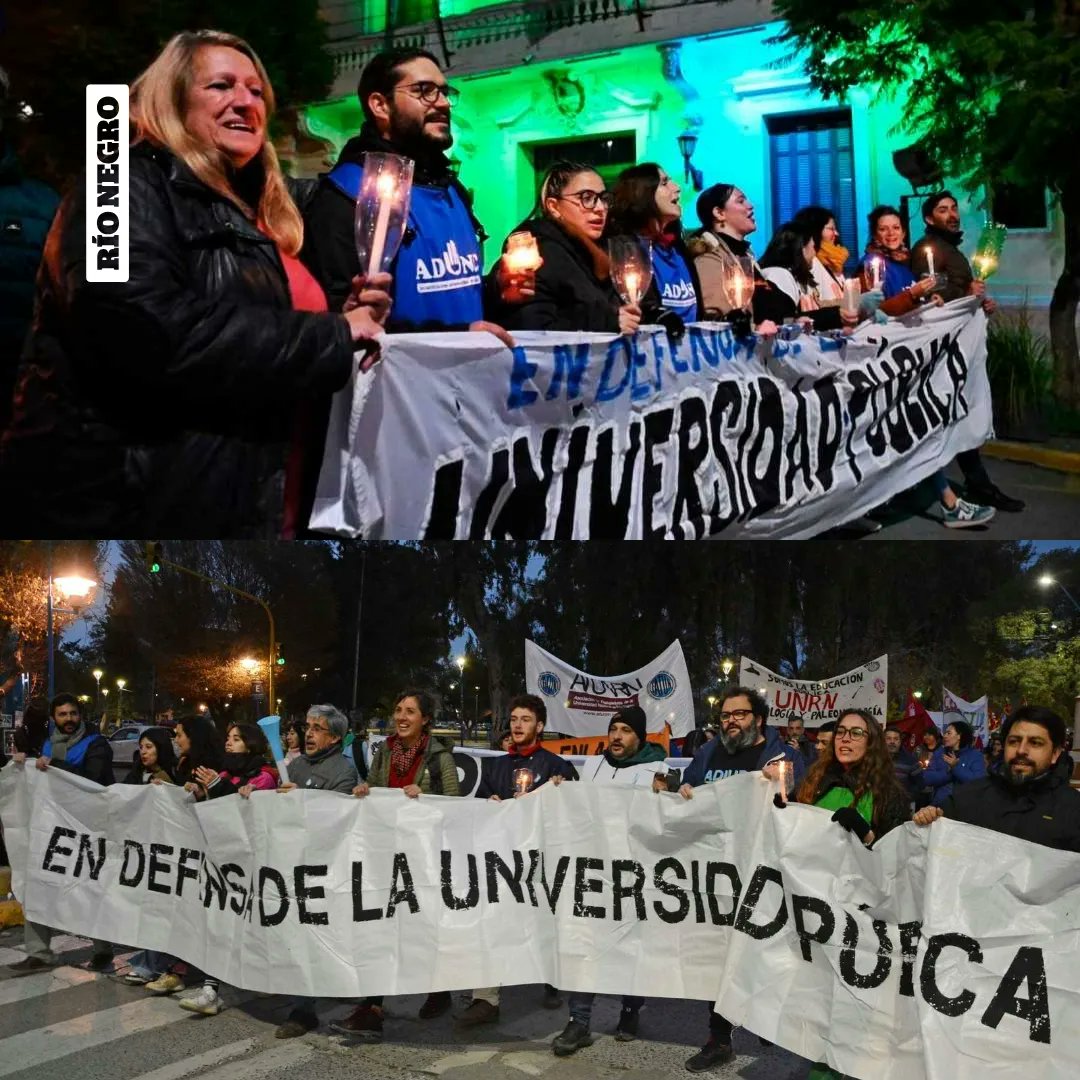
x=437 y=275
x=745 y=744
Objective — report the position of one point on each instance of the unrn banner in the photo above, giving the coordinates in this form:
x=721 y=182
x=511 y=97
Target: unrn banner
x=817 y=702
x=589 y=436
x=947 y=953
x=581 y=704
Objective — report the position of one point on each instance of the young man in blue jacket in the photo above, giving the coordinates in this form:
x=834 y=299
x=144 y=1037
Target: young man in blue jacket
x=745 y=744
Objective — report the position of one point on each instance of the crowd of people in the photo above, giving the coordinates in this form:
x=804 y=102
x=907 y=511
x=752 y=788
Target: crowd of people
x=857 y=770
x=193 y=399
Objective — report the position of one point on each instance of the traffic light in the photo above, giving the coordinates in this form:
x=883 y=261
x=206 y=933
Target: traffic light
x=280 y=661
x=153 y=556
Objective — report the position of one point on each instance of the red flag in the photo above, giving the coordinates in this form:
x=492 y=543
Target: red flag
x=915 y=723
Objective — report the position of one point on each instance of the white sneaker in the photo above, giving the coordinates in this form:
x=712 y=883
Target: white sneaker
x=205 y=1001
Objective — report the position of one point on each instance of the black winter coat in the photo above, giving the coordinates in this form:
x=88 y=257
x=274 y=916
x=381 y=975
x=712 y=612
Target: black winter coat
x=497 y=773
x=569 y=295
x=1045 y=811
x=165 y=406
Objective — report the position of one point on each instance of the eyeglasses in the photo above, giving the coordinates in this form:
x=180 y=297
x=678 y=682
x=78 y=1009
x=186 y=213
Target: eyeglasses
x=854 y=733
x=428 y=92
x=589 y=199
x=737 y=714
x=317 y=727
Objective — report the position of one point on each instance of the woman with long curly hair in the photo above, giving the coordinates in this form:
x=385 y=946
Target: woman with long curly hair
x=854 y=777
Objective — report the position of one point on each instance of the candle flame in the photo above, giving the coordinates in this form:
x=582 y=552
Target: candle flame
x=386 y=185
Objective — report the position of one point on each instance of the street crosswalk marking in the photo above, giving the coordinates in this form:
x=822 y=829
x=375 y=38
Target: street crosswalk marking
x=269 y=1061
x=45 y=982
x=80 y=1033
x=179 y=1069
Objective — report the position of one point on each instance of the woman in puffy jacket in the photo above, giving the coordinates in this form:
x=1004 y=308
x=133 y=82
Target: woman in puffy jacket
x=957 y=761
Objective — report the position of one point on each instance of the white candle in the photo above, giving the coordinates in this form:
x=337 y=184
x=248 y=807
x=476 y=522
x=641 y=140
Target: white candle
x=877 y=272
x=633 y=285
x=930 y=260
x=386 y=189
x=783 y=769
x=852 y=294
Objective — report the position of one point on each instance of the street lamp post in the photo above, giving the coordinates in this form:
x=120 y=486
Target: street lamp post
x=105 y=707
x=476 y=708
x=120 y=684
x=460 y=661
x=97 y=673
x=1046 y=580
x=726 y=666
x=78 y=591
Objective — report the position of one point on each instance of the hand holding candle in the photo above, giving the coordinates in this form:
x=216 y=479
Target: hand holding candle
x=929 y=261
x=849 y=305
x=631 y=267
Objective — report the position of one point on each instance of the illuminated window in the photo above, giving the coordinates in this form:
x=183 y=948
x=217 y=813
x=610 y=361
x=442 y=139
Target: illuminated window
x=812 y=164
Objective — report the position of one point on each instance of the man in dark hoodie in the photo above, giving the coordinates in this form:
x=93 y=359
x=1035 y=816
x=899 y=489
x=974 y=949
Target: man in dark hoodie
x=745 y=744
x=942 y=243
x=438 y=272
x=628 y=759
x=509 y=776
x=1028 y=795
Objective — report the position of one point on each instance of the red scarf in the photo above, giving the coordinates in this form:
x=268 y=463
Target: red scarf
x=524 y=751
x=403 y=761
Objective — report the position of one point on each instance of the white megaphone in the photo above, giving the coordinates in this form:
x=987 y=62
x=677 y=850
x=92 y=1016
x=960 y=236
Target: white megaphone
x=271 y=726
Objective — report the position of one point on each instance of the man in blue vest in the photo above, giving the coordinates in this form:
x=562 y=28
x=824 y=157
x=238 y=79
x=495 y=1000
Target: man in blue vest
x=76 y=747
x=438 y=272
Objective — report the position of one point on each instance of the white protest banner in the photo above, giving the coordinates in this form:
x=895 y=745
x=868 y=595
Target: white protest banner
x=817 y=701
x=975 y=713
x=589 y=436
x=947 y=953
x=583 y=704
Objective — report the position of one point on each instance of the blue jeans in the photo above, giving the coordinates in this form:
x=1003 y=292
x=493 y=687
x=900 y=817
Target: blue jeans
x=581 y=1006
x=150 y=964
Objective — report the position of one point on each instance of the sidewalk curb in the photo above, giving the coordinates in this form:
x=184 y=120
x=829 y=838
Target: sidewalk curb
x=1043 y=456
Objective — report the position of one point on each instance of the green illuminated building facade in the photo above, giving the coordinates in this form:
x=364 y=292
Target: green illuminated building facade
x=618 y=81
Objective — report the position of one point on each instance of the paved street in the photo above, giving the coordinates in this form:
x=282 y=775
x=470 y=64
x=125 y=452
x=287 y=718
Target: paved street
x=71 y=1022
x=1052 y=512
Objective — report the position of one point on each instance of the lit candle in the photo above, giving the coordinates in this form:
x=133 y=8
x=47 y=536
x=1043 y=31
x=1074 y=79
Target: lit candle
x=386 y=188
x=930 y=261
x=852 y=294
x=633 y=286
x=523 y=780
x=522 y=252
x=877 y=272
x=783 y=772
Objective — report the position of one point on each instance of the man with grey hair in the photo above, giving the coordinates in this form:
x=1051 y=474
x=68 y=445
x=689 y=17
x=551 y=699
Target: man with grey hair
x=323 y=766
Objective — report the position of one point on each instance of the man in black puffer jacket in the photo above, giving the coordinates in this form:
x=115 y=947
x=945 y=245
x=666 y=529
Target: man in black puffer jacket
x=1028 y=795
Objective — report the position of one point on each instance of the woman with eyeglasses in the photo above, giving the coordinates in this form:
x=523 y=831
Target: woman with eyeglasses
x=573 y=287
x=855 y=778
